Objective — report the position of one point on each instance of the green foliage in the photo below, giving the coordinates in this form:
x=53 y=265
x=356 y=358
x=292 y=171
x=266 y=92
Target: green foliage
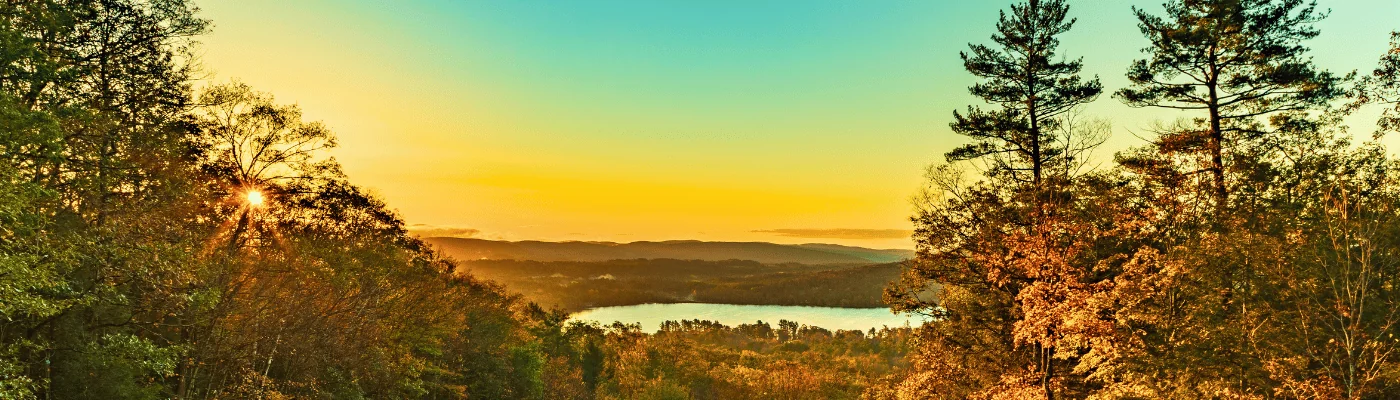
x=526 y=363
x=129 y=366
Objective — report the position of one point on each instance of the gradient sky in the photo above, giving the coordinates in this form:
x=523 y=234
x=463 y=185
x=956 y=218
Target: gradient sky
x=786 y=121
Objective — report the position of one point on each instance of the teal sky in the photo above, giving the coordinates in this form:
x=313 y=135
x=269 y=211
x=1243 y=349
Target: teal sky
x=651 y=120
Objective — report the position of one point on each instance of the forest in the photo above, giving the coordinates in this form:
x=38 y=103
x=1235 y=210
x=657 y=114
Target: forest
x=468 y=249
x=575 y=286
x=162 y=236
x=1248 y=250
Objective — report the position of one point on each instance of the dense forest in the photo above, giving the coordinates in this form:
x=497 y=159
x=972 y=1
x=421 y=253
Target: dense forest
x=1250 y=250
x=768 y=253
x=162 y=236
x=706 y=360
x=574 y=286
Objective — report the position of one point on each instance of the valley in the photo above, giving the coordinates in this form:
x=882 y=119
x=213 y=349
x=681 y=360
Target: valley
x=574 y=276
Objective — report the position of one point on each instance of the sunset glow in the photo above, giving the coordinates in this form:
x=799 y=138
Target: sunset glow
x=758 y=199
x=626 y=121
x=255 y=198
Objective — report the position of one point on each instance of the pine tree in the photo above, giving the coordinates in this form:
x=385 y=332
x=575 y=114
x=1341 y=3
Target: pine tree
x=1031 y=88
x=1205 y=294
x=1382 y=86
x=986 y=242
x=1238 y=62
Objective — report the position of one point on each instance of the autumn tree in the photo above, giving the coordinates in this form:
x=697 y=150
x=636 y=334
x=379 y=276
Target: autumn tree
x=1199 y=304
x=986 y=243
x=1345 y=271
x=1351 y=275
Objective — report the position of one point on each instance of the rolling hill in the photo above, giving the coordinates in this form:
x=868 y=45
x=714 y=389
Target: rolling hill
x=481 y=249
x=578 y=285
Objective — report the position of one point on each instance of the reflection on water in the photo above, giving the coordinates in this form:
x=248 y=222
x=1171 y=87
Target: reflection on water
x=651 y=315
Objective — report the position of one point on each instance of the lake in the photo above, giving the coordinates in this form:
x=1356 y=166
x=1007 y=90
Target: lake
x=833 y=318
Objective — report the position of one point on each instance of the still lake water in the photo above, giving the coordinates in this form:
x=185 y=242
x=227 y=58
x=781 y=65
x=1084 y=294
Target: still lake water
x=833 y=318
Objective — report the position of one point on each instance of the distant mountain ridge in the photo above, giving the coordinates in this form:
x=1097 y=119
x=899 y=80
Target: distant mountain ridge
x=530 y=250
x=875 y=255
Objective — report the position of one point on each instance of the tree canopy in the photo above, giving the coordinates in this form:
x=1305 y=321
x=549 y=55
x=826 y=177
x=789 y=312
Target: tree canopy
x=1247 y=251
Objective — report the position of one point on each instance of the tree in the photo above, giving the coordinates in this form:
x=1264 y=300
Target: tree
x=1382 y=86
x=256 y=142
x=1354 y=270
x=94 y=92
x=1199 y=300
x=1031 y=89
x=987 y=242
x=1238 y=61
x=131 y=265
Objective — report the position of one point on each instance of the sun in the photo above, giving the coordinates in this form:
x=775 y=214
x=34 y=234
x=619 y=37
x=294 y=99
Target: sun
x=255 y=198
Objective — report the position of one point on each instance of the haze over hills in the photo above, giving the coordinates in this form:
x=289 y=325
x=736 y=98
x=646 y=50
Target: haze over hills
x=478 y=249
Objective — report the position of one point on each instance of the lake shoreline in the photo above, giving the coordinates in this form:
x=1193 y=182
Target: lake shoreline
x=651 y=315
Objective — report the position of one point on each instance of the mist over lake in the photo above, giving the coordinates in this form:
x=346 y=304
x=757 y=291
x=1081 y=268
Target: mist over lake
x=652 y=315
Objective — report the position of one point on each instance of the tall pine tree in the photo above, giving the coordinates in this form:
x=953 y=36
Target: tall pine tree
x=986 y=243
x=1031 y=89
x=1204 y=295
x=1233 y=63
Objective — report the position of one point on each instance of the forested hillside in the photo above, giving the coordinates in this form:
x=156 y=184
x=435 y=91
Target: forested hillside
x=529 y=250
x=575 y=286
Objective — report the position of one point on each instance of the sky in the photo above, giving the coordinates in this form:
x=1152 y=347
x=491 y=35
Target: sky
x=801 y=121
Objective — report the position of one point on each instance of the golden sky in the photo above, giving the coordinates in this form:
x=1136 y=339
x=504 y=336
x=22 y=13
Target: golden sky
x=782 y=121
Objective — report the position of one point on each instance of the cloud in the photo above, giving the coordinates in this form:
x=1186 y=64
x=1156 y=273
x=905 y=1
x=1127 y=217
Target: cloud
x=840 y=233
x=425 y=230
